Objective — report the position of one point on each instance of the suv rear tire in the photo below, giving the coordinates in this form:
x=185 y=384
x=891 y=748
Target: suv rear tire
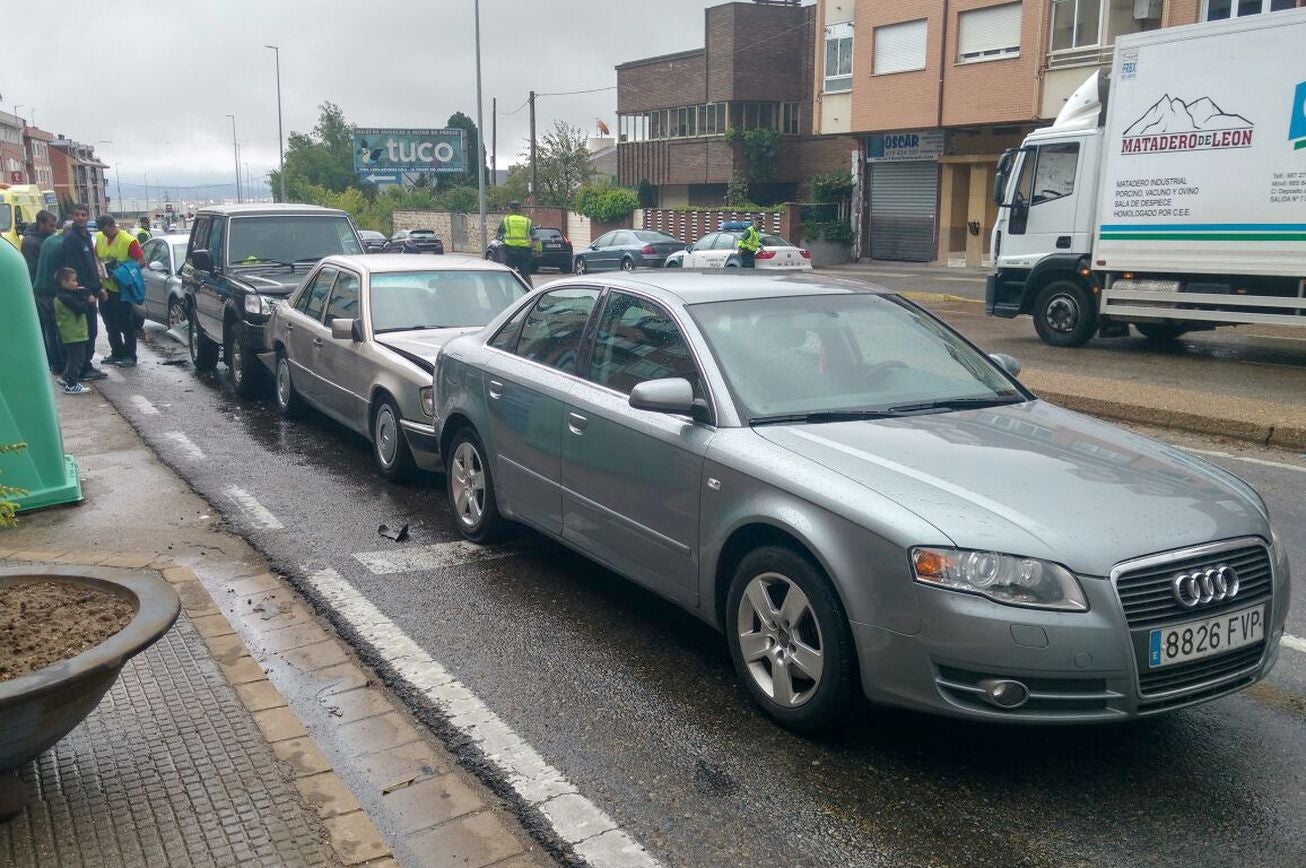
x=203 y=352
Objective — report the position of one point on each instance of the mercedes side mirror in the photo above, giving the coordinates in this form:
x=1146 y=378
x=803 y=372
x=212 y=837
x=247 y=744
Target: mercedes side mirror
x=201 y=260
x=345 y=329
x=671 y=395
x=1010 y=364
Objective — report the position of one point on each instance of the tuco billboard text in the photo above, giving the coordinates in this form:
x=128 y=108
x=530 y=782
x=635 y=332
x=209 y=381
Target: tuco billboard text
x=393 y=150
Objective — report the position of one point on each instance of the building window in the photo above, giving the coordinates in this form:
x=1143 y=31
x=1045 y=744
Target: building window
x=1075 y=24
x=1218 y=10
x=838 y=57
x=789 y=118
x=989 y=34
x=899 y=47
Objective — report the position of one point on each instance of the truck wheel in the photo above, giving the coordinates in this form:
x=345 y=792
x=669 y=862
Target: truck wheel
x=1064 y=315
x=203 y=352
x=243 y=365
x=1161 y=332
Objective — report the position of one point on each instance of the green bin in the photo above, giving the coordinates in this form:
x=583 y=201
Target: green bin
x=27 y=413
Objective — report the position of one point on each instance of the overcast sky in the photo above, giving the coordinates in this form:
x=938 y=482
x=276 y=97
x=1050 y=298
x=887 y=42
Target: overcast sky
x=179 y=67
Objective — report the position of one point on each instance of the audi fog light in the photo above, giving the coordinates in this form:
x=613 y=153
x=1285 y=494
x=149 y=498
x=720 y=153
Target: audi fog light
x=427 y=394
x=1002 y=578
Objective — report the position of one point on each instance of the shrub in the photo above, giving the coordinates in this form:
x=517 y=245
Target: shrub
x=604 y=203
x=7 y=507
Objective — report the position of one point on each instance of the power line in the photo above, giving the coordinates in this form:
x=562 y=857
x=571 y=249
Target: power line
x=574 y=92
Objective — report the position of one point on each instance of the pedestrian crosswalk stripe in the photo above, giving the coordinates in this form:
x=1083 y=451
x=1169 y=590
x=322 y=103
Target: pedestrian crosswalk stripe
x=575 y=819
x=432 y=557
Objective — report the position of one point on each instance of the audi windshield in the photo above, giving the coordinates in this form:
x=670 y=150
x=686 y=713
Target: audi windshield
x=858 y=353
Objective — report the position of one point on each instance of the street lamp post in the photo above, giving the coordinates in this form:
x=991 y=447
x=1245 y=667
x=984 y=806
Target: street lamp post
x=117 y=182
x=480 y=134
x=147 y=192
x=281 y=154
x=235 y=152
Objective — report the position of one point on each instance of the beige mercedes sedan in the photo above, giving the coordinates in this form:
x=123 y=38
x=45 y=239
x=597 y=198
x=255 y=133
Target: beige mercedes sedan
x=358 y=341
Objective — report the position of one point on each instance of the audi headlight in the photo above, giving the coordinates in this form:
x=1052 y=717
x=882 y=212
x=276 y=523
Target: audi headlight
x=254 y=304
x=427 y=394
x=1002 y=578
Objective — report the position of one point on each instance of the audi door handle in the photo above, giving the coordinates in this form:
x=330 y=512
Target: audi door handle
x=496 y=389
x=576 y=422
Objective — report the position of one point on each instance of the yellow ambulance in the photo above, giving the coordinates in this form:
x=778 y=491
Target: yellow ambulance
x=18 y=206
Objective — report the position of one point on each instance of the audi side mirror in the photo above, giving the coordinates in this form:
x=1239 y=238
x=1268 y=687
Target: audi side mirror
x=157 y=266
x=672 y=395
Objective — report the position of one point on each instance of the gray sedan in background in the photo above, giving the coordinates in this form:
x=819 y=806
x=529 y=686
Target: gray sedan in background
x=164 y=300
x=860 y=500
x=358 y=339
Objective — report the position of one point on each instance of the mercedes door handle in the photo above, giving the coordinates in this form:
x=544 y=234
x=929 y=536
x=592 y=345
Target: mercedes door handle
x=290 y=327
x=496 y=389
x=317 y=342
x=576 y=422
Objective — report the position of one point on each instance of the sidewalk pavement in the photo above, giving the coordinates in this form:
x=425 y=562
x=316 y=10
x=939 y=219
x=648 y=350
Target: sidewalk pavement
x=249 y=734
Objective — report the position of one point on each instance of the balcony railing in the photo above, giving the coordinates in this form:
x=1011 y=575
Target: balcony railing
x=1093 y=55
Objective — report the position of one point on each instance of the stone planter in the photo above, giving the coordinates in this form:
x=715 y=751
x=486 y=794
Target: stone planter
x=827 y=253
x=38 y=709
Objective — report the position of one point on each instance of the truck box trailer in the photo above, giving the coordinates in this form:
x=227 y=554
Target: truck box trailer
x=1174 y=200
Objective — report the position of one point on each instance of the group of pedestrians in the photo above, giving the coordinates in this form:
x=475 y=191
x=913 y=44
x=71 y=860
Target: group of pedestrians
x=74 y=275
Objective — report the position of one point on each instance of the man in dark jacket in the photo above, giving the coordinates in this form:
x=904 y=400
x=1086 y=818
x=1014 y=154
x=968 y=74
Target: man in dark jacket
x=35 y=236
x=78 y=253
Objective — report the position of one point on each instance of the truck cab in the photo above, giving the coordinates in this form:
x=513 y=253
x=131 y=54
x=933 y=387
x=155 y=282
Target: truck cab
x=1046 y=191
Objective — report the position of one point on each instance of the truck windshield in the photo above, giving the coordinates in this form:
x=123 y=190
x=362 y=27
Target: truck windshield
x=288 y=239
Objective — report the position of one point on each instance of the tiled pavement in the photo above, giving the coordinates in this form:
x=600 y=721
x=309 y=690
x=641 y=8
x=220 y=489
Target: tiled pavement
x=170 y=769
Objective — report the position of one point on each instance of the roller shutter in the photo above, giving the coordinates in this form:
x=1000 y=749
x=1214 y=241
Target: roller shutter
x=904 y=199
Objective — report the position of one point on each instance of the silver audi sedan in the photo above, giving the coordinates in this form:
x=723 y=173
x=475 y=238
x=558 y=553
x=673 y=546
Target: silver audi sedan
x=358 y=340
x=858 y=498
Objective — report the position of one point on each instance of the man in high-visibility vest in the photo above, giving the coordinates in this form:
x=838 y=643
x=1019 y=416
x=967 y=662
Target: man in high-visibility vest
x=515 y=233
x=113 y=247
x=144 y=234
x=749 y=243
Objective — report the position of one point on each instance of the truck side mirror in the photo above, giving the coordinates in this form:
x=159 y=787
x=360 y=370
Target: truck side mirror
x=201 y=260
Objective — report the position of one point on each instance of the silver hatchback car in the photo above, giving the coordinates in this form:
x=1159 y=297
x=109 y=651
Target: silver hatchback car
x=859 y=498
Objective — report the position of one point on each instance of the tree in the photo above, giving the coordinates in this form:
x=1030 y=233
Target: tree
x=474 y=147
x=646 y=196
x=321 y=158
x=563 y=164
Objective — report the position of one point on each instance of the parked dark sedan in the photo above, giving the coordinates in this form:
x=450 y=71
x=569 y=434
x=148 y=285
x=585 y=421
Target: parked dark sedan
x=550 y=249
x=373 y=241
x=415 y=241
x=627 y=249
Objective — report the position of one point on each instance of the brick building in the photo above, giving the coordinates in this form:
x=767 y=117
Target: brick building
x=79 y=177
x=13 y=161
x=754 y=71
x=36 y=149
x=936 y=89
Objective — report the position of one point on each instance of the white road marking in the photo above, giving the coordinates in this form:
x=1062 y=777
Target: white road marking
x=432 y=557
x=187 y=447
x=1293 y=642
x=143 y=404
x=256 y=513
x=1214 y=454
x=574 y=818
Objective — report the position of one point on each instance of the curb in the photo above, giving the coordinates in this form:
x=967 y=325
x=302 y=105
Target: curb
x=1279 y=436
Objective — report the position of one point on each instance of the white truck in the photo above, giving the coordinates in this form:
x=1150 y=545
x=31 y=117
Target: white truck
x=1184 y=210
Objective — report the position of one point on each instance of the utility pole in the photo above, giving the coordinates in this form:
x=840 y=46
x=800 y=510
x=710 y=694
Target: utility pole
x=235 y=152
x=535 y=177
x=494 y=141
x=281 y=151
x=147 y=191
x=480 y=134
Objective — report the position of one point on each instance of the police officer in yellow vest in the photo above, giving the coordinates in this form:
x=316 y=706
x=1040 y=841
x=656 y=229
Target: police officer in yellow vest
x=113 y=247
x=515 y=233
x=749 y=243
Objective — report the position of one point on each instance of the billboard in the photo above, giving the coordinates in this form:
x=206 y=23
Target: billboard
x=390 y=152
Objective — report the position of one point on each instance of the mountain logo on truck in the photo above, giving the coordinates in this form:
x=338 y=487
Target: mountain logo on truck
x=1172 y=125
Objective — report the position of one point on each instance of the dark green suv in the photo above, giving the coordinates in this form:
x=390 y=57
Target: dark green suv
x=242 y=260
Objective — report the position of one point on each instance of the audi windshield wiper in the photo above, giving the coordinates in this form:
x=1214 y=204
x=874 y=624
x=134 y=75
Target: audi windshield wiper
x=819 y=417
x=954 y=404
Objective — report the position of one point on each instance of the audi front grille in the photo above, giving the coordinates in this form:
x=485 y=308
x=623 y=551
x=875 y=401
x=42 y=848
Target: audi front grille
x=1147 y=591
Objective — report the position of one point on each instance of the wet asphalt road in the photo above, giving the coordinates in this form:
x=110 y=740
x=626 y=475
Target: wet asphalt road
x=637 y=703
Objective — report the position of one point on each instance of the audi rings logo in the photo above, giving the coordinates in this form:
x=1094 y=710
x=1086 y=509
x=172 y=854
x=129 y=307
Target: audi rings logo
x=1203 y=587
